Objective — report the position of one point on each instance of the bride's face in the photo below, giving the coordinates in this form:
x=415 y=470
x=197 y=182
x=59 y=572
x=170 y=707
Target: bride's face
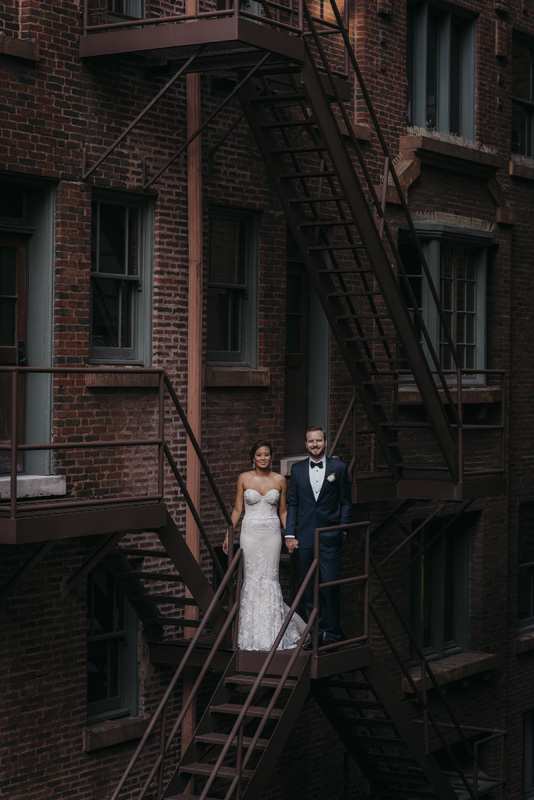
x=262 y=458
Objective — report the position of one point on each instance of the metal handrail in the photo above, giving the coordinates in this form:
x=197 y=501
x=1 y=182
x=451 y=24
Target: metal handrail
x=164 y=389
x=293 y=10
x=313 y=573
x=426 y=670
x=164 y=700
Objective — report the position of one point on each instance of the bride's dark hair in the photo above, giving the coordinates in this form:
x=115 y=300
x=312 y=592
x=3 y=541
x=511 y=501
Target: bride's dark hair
x=256 y=446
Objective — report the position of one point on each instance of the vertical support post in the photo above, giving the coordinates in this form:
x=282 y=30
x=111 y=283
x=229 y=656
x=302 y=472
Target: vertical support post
x=460 y=426
x=14 y=443
x=161 y=435
x=316 y=597
x=194 y=349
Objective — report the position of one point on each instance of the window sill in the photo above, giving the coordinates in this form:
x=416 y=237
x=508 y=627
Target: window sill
x=524 y=642
x=27 y=49
x=459 y=667
x=34 y=486
x=414 y=151
x=518 y=170
x=440 y=153
x=233 y=377
x=121 y=380
x=114 y=731
x=475 y=394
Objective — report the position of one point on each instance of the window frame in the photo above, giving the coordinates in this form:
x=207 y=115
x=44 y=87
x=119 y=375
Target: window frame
x=528 y=753
x=140 y=352
x=125 y=702
x=417 y=67
x=525 y=531
x=527 y=105
x=439 y=647
x=433 y=237
x=247 y=351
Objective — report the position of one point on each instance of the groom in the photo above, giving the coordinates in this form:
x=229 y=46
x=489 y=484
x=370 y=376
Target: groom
x=319 y=496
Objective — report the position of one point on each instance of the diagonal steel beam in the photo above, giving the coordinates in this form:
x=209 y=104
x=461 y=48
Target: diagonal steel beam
x=199 y=130
x=143 y=113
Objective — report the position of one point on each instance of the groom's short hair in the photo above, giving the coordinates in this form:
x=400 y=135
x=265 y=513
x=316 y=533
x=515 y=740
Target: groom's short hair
x=316 y=428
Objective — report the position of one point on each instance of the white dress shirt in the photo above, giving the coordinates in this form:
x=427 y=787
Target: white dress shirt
x=317 y=477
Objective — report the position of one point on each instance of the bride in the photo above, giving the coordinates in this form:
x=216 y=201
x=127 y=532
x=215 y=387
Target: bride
x=262 y=611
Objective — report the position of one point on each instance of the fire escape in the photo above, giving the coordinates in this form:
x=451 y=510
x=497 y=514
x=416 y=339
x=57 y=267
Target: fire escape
x=295 y=75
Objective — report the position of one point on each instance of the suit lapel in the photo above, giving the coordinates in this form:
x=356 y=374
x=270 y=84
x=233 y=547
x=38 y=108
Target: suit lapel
x=307 y=481
x=327 y=471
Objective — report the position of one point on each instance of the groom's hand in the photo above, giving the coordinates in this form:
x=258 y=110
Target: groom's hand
x=292 y=544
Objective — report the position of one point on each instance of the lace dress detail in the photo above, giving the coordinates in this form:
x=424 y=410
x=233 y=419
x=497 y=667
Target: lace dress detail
x=262 y=610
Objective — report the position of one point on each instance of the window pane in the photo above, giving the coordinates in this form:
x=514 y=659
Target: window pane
x=7 y=322
x=7 y=270
x=455 y=80
x=224 y=257
x=432 y=71
x=133 y=241
x=106 y=303
x=11 y=203
x=112 y=241
x=102 y=670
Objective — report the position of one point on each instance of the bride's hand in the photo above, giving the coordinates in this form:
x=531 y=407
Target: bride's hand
x=225 y=545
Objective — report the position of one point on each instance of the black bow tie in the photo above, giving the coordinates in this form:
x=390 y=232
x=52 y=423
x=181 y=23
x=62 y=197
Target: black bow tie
x=317 y=464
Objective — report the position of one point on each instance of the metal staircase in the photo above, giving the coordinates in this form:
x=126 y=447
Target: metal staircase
x=304 y=132
x=244 y=728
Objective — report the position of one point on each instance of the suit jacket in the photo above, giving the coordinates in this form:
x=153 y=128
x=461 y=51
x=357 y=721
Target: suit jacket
x=333 y=506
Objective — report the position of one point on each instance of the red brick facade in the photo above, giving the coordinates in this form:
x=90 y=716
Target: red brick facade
x=59 y=113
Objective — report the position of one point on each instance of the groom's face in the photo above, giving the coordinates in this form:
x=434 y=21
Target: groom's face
x=315 y=444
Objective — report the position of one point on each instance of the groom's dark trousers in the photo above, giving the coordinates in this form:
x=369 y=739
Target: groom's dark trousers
x=304 y=515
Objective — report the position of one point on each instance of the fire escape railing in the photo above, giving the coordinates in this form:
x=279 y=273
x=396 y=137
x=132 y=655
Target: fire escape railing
x=244 y=752
x=161 y=441
x=462 y=388
x=167 y=737
x=277 y=14
x=429 y=682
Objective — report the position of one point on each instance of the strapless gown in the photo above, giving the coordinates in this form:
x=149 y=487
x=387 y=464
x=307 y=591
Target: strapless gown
x=262 y=610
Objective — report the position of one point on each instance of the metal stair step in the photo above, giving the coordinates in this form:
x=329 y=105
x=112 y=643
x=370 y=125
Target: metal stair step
x=277 y=99
x=222 y=738
x=317 y=148
x=249 y=680
x=133 y=551
x=252 y=711
x=330 y=198
x=151 y=576
x=186 y=623
x=198 y=768
x=293 y=123
x=165 y=598
x=316 y=174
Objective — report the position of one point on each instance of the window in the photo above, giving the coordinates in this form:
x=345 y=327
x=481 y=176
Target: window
x=525 y=594
x=127 y=8
x=440 y=69
x=440 y=587
x=523 y=99
x=528 y=754
x=232 y=288
x=457 y=262
x=111 y=649
x=121 y=281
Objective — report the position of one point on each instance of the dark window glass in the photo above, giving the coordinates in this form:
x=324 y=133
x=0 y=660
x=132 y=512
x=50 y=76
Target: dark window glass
x=522 y=100
x=111 y=648
x=231 y=274
x=115 y=277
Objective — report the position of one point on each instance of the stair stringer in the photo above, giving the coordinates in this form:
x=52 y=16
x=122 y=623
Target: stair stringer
x=191 y=572
x=409 y=734
x=253 y=788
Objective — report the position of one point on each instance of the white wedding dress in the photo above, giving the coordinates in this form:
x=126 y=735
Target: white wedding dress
x=262 y=610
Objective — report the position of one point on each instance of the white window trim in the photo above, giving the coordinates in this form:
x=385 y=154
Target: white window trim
x=142 y=320
x=247 y=355
x=467 y=97
x=433 y=236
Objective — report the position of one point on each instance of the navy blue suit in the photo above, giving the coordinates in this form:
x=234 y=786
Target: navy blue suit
x=304 y=514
